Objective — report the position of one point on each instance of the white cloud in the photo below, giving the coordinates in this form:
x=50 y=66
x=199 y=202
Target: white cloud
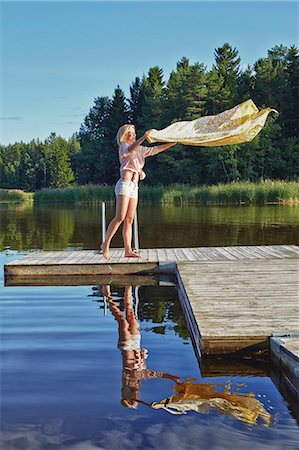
x=11 y=118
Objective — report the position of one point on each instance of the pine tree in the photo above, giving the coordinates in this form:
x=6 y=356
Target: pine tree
x=186 y=92
x=271 y=79
x=217 y=95
x=291 y=97
x=118 y=113
x=94 y=126
x=223 y=79
x=92 y=137
x=135 y=101
x=152 y=94
x=245 y=84
x=58 y=162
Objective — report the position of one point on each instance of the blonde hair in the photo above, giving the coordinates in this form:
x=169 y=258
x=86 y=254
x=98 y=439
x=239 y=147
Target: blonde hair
x=121 y=134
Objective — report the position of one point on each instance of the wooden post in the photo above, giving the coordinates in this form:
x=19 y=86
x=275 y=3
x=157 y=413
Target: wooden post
x=136 y=297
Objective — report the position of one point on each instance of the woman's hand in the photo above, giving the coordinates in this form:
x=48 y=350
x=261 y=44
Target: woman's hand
x=148 y=132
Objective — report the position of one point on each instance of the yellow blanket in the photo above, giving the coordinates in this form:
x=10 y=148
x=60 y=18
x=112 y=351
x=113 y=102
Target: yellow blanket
x=234 y=126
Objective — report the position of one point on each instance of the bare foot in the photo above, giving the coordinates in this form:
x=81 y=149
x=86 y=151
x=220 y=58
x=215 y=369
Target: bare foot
x=131 y=254
x=105 y=251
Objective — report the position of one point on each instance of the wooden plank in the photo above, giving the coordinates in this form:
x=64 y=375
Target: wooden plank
x=284 y=250
x=70 y=257
x=217 y=255
x=188 y=254
x=171 y=256
x=153 y=255
x=208 y=253
x=269 y=251
x=253 y=299
x=37 y=257
x=226 y=255
x=241 y=253
x=200 y=256
x=290 y=250
x=179 y=254
x=118 y=254
x=143 y=255
x=162 y=255
x=251 y=251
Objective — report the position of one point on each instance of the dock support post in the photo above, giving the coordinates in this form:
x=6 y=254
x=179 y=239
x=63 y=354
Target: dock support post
x=136 y=238
x=136 y=297
x=103 y=221
x=105 y=306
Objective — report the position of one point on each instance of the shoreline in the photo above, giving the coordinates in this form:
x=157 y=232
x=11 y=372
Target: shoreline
x=236 y=193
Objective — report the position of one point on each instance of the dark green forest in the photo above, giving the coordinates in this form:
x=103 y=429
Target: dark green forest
x=192 y=91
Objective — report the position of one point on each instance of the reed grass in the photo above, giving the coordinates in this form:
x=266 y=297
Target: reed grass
x=242 y=192
x=15 y=195
x=262 y=192
x=88 y=193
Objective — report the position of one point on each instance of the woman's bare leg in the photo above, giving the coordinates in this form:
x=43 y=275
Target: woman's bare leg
x=127 y=228
x=123 y=326
x=134 y=326
x=122 y=204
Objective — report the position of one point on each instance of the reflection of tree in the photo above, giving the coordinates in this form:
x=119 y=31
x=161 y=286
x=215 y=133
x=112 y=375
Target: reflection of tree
x=161 y=305
x=27 y=226
x=24 y=228
x=203 y=225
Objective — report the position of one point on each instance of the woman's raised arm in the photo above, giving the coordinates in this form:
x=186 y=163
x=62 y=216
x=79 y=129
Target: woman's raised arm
x=138 y=141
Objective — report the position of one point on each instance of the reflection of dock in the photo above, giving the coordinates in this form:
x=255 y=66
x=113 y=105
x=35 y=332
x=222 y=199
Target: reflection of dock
x=234 y=298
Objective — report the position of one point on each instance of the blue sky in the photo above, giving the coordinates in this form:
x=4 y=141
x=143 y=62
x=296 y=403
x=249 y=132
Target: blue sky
x=56 y=57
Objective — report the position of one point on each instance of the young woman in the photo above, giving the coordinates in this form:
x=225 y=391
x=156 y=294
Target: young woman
x=132 y=158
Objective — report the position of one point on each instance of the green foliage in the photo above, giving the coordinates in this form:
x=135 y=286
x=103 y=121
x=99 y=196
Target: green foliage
x=77 y=194
x=135 y=100
x=186 y=92
x=37 y=164
x=56 y=151
x=15 y=195
x=223 y=80
x=152 y=98
x=222 y=193
x=91 y=156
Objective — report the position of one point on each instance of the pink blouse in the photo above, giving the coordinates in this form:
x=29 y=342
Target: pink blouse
x=135 y=160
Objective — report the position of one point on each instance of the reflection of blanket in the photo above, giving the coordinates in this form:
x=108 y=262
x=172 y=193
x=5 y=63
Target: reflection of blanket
x=234 y=126
x=203 y=398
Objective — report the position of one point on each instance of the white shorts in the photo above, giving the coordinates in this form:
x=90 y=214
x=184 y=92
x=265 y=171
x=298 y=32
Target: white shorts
x=124 y=187
x=131 y=344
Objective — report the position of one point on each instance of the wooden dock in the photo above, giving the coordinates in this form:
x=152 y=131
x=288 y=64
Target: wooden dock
x=235 y=307
x=234 y=298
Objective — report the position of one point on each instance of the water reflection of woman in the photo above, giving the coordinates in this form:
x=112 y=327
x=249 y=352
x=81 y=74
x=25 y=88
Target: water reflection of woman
x=197 y=397
x=133 y=356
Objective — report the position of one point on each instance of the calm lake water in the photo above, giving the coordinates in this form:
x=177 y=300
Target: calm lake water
x=75 y=369
x=25 y=227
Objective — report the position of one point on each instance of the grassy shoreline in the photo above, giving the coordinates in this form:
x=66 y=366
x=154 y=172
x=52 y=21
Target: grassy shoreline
x=263 y=192
x=15 y=195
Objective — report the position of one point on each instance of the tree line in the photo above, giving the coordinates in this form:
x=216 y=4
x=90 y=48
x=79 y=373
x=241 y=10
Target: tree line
x=191 y=91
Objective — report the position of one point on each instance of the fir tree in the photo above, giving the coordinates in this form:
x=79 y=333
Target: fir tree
x=223 y=79
x=186 y=92
x=135 y=101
